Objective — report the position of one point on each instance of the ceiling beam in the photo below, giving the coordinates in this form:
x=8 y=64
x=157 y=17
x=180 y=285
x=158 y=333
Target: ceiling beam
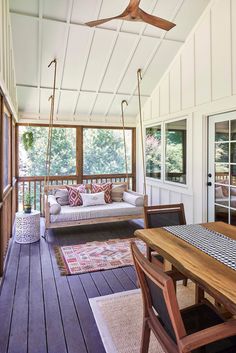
x=75 y=90
x=19 y=13
x=42 y=118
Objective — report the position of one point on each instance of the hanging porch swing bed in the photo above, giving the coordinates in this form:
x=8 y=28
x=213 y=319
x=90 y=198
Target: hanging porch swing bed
x=72 y=205
x=63 y=206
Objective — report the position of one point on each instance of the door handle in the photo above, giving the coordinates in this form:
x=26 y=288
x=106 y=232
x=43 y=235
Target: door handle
x=209 y=183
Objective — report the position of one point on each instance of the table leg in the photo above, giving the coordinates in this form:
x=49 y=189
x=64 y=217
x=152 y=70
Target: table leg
x=199 y=294
x=167 y=266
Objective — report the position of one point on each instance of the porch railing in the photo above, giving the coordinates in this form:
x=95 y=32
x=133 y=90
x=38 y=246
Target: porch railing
x=35 y=185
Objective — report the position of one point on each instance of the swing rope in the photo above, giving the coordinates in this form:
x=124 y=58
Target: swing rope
x=139 y=78
x=125 y=146
x=50 y=127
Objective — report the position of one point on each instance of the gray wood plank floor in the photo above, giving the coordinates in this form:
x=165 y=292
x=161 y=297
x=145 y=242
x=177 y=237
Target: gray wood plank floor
x=44 y=312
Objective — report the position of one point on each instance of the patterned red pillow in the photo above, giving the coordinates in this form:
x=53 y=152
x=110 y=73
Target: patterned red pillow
x=106 y=187
x=74 y=194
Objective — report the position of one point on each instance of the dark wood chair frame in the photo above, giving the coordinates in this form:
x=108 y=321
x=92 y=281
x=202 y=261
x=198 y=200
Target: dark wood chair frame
x=162 y=209
x=184 y=343
x=171 y=208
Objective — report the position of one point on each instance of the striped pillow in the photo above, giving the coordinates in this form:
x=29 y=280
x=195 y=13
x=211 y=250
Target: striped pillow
x=106 y=187
x=74 y=192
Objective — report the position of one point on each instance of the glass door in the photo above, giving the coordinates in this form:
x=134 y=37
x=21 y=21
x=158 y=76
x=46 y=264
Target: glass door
x=222 y=168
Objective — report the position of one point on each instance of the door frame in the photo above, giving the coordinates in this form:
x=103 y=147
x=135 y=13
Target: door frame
x=212 y=119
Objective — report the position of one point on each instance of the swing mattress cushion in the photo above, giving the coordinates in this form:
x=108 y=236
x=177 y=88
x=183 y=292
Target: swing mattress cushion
x=79 y=213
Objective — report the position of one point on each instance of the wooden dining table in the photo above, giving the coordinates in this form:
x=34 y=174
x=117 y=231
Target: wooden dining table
x=211 y=275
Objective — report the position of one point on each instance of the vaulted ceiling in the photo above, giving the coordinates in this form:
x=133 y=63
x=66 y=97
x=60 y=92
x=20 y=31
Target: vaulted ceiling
x=96 y=66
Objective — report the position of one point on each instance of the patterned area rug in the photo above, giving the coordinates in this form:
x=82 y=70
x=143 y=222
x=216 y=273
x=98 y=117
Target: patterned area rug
x=95 y=256
x=119 y=319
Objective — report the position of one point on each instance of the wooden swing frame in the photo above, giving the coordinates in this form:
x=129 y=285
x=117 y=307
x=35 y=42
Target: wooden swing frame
x=65 y=224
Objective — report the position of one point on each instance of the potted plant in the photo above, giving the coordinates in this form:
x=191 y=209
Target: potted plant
x=27 y=202
x=28 y=140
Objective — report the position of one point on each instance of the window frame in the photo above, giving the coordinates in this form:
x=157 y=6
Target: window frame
x=133 y=144
x=7 y=192
x=79 y=147
x=186 y=154
x=162 y=141
x=45 y=126
x=163 y=124
x=6 y=112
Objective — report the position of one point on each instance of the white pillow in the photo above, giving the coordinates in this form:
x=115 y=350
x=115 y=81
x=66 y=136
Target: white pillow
x=133 y=199
x=93 y=199
x=55 y=208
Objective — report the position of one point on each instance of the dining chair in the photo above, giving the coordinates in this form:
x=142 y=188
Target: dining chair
x=162 y=216
x=196 y=329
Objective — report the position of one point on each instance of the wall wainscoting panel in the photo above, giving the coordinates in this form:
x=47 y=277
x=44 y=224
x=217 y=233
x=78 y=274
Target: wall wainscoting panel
x=203 y=77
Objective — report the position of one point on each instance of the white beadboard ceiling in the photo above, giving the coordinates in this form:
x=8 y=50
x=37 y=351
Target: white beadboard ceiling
x=96 y=66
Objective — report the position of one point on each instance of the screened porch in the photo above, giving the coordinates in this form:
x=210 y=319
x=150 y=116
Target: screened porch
x=117 y=176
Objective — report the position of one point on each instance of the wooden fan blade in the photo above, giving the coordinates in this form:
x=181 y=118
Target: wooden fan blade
x=134 y=3
x=156 y=21
x=104 y=20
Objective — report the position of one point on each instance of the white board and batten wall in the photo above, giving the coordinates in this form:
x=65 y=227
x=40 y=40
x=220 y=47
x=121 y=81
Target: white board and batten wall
x=7 y=71
x=200 y=82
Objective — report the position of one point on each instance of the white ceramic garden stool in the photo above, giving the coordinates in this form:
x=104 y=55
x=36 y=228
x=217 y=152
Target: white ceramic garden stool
x=27 y=227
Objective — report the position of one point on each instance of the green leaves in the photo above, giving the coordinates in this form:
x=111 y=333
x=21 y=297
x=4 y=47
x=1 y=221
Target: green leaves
x=28 y=140
x=28 y=199
x=63 y=153
x=104 y=151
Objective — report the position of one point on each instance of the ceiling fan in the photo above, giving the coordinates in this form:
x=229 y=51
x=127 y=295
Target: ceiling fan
x=134 y=13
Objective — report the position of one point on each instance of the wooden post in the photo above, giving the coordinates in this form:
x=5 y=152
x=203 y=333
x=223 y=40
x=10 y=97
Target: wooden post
x=17 y=163
x=79 y=154
x=134 y=159
x=1 y=186
x=1 y=148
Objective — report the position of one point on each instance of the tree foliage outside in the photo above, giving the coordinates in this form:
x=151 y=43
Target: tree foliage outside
x=103 y=151
x=175 y=153
x=175 y=159
x=63 y=152
x=103 y=154
x=153 y=152
x=222 y=152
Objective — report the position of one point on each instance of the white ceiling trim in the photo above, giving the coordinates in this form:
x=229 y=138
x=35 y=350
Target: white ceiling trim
x=100 y=28
x=130 y=121
x=75 y=90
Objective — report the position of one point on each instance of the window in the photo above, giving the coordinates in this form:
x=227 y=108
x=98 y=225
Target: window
x=175 y=157
x=63 y=153
x=175 y=151
x=153 y=152
x=103 y=151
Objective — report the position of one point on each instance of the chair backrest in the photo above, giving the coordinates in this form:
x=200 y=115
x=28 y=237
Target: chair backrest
x=159 y=299
x=164 y=215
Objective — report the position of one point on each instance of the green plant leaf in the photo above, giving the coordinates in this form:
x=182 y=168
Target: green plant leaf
x=28 y=140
